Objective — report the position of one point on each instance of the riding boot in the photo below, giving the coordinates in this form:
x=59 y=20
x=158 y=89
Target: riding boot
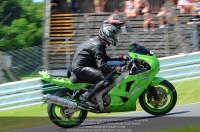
x=87 y=97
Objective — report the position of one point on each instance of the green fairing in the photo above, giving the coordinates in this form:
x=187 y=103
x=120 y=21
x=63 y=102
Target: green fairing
x=151 y=60
x=157 y=81
x=61 y=81
x=136 y=89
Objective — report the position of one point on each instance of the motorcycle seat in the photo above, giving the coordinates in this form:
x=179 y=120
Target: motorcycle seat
x=74 y=79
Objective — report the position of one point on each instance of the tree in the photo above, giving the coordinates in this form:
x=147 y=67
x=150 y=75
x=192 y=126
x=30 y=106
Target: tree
x=9 y=10
x=24 y=27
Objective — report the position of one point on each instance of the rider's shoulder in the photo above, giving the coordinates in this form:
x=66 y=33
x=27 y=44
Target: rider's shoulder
x=95 y=41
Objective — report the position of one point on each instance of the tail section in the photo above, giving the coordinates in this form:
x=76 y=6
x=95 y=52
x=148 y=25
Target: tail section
x=62 y=81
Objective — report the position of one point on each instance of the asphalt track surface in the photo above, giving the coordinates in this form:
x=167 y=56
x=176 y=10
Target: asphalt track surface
x=180 y=116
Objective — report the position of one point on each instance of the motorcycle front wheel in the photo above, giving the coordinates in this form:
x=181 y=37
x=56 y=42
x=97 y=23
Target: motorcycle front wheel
x=58 y=114
x=167 y=99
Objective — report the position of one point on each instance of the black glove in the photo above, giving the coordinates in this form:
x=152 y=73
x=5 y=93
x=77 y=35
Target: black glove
x=121 y=69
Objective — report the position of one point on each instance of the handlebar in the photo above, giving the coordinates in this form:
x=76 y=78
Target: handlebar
x=132 y=65
x=130 y=62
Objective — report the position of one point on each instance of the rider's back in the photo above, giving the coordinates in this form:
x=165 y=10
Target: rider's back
x=84 y=55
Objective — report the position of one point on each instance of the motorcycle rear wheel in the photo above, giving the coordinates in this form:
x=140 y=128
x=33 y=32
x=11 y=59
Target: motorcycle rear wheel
x=168 y=99
x=57 y=116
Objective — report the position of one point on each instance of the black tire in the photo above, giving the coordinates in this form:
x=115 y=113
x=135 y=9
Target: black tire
x=51 y=109
x=158 y=111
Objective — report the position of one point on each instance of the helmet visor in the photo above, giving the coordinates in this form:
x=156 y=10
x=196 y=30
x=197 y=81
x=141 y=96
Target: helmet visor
x=115 y=36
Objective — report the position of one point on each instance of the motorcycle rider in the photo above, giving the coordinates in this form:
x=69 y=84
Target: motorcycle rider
x=90 y=62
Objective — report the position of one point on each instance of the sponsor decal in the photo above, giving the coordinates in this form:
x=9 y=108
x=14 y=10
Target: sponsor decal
x=136 y=90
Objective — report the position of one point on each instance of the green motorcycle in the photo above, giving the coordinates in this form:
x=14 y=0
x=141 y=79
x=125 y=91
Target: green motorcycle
x=156 y=95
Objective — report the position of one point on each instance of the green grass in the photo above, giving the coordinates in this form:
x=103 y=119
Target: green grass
x=188 y=92
x=23 y=118
x=181 y=129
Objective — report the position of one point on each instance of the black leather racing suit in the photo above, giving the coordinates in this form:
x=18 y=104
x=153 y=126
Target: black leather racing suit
x=90 y=63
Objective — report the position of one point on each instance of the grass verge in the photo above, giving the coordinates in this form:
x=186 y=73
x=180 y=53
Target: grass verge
x=181 y=129
x=188 y=92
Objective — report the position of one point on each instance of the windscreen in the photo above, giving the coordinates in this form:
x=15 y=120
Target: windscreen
x=136 y=48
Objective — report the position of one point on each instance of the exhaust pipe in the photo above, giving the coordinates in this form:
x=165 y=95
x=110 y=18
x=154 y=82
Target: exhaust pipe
x=61 y=101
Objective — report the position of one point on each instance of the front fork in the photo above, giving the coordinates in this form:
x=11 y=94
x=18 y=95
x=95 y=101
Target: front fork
x=151 y=89
x=152 y=92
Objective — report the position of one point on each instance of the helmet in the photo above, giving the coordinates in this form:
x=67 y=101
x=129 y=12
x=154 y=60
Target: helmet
x=109 y=33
